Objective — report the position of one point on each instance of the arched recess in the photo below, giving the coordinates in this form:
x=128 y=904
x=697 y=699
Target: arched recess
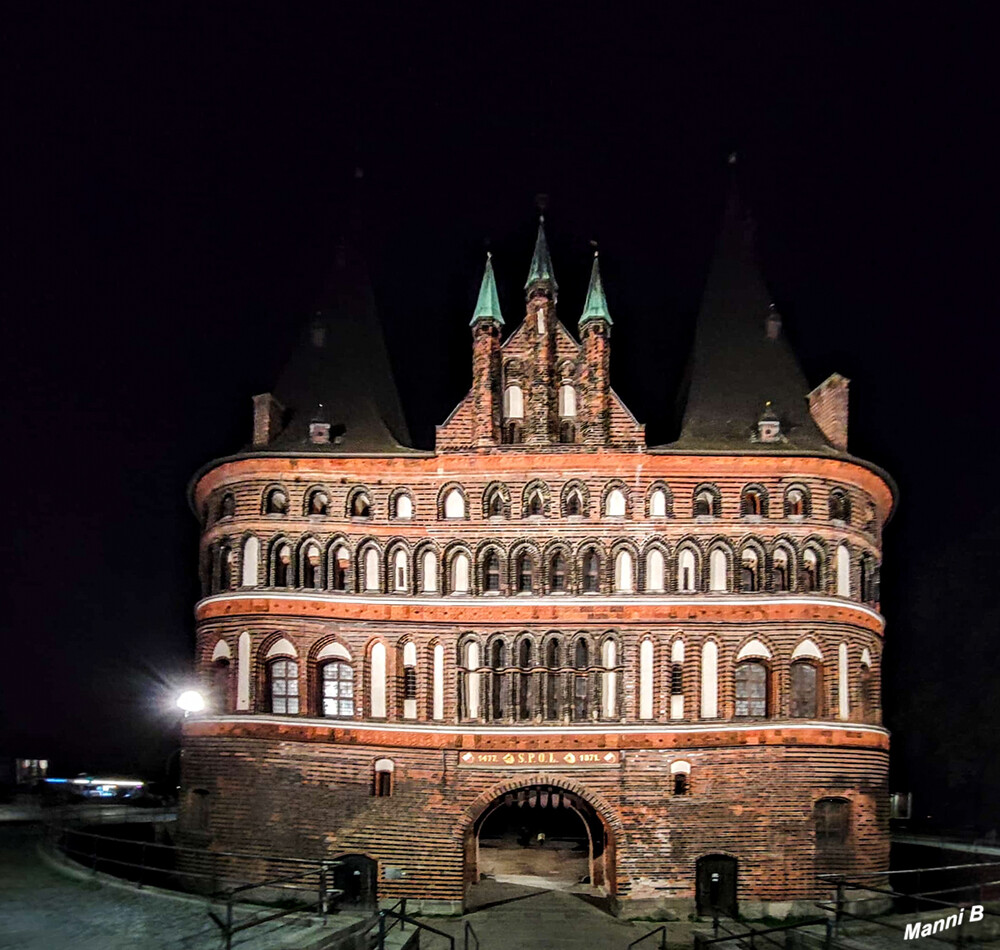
x=546 y=796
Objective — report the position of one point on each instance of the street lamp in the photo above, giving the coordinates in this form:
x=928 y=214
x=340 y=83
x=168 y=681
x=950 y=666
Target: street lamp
x=191 y=701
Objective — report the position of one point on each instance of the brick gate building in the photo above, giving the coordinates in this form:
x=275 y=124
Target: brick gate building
x=680 y=645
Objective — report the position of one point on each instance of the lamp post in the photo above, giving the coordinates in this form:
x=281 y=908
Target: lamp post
x=191 y=701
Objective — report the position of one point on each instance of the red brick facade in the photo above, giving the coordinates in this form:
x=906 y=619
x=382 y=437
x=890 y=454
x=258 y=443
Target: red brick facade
x=547 y=584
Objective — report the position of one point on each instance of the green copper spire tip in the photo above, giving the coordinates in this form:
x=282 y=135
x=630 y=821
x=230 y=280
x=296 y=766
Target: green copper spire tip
x=541 y=264
x=595 y=307
x=488 y=304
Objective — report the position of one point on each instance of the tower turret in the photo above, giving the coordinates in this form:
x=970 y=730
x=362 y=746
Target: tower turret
x=595 y=331
x=541 y=292
x=486 y=323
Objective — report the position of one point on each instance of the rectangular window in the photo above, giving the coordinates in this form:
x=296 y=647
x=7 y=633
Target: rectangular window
x=383 y=784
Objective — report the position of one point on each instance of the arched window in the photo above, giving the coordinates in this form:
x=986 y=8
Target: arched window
x=311 y=567
x=399 y=571
x=843 y=683
x=535 y=507
x=710 y=680
x=226 y=562
x=677 y=680
x=283 y=686
x=591 y=572
x=655 y=582
x=409 y=680
x=377 y=689
x=498 y=679
x=251 y=556
x=283 y=566
x=780 y=579
x=567 y=401
x=382 y=780
x=803 y=682
x=361 y=506
x=718 y=570
x=749 y=571
x=337 y=679
x=513 y=403
x=557 y=573
x=751 y=689
x=623 y=572
x=810 y=570
x=525 y=573
x=552 y=680
x=454 y=504
x=404 y=507
x=371 y=579
x=646 y=679
x=574 y=504
x=753 y=502
x=525 y=690
x=840 y=505
x=869 y=580
x=227 y=507
x=429 y=571
x=460 y=573
x=472 y=674
x=796 y=503
x=843 y=571
x=513 y=432
x=491 y=571
x=680 y=773
x=221 y=680
x=686 y=574
x=832 y=818
x=614 y=504
x=338 y=570
x=609 y=680
x=318 y=502
x=658 y=503
x=276 y=502
x=706 y=504
x=866 y=688
x=581 y=681
x=496 y=505
x=437 y=687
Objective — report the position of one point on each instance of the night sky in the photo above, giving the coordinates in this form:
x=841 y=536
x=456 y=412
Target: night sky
x=177 y=179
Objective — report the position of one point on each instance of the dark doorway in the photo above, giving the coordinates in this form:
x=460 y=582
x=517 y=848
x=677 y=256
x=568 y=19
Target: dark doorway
x=541 y=836
x=715 y=885
x=357 y=876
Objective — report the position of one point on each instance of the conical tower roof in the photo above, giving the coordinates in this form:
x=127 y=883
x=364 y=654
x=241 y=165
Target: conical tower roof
x=488 y=303
x=595 y=307
x=341 y=362
x=541 y=275
x=737 y=365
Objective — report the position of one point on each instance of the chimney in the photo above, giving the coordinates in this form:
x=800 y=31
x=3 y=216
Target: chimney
x=267 y=413
x=828 y=407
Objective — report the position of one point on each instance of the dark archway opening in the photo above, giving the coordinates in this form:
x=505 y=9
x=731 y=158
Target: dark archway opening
x=357 y=876
x=541 y=836
x=715 y=885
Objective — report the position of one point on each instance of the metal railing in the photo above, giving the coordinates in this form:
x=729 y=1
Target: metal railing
x=661 y=930
x=324 y=893
x=757 y=937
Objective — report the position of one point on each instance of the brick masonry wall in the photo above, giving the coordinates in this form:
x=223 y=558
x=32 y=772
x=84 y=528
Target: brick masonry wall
x=754 y=802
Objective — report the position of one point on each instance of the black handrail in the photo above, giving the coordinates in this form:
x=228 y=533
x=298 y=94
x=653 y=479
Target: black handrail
x=401 y=917
x=661 y=930
x=466 y=932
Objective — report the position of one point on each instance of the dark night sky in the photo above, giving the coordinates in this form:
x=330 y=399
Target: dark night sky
x=177 y=178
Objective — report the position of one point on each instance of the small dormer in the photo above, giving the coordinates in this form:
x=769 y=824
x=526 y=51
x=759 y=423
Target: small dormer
x=319 y=427
x=768 y=426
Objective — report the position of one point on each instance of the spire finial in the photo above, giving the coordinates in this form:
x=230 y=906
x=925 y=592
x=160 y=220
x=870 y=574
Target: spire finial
x=595 y=307
x=541 y=275
x=488 y=302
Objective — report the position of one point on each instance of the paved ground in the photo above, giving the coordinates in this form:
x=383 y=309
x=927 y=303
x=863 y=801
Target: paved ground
x=42 y=908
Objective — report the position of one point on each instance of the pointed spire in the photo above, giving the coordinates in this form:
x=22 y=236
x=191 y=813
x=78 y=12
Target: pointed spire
x=488 y=304
x=595 y=307
x=541 y=274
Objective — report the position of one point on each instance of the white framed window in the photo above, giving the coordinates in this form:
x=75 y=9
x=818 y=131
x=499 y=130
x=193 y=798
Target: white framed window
x=460 y=574
x=710 y=680
x=513 y=403
x=378 y=705
x=567 y=401
x=843 y=571
x=718 y=569
x=654 y=571
x=437 y=686
x=410 y=680
x=686 y=578
x=646 y=679
x=658 y=504
x=251 y=558
x=371 y=570
x=399 y=578
x=623 y=573
x=404 y=507
x=609 y=679
x=454 y=504
x=614 y=506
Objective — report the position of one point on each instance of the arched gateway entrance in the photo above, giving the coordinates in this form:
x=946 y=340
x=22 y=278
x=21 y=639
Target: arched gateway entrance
x=541 y=835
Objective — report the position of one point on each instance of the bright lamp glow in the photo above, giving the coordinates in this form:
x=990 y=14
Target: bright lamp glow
x=191 y=701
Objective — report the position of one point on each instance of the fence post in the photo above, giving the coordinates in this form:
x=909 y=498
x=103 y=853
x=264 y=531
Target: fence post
x=381 y=930
x=142 y=864
x=715 y=922
x=663 y=938
x=322 y=890
x=402 y=910
x=840 y=906
x=229 y=923
x=828 y=941
x=959 y=936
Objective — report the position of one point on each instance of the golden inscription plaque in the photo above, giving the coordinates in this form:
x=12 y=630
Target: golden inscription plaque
x=601 y=759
